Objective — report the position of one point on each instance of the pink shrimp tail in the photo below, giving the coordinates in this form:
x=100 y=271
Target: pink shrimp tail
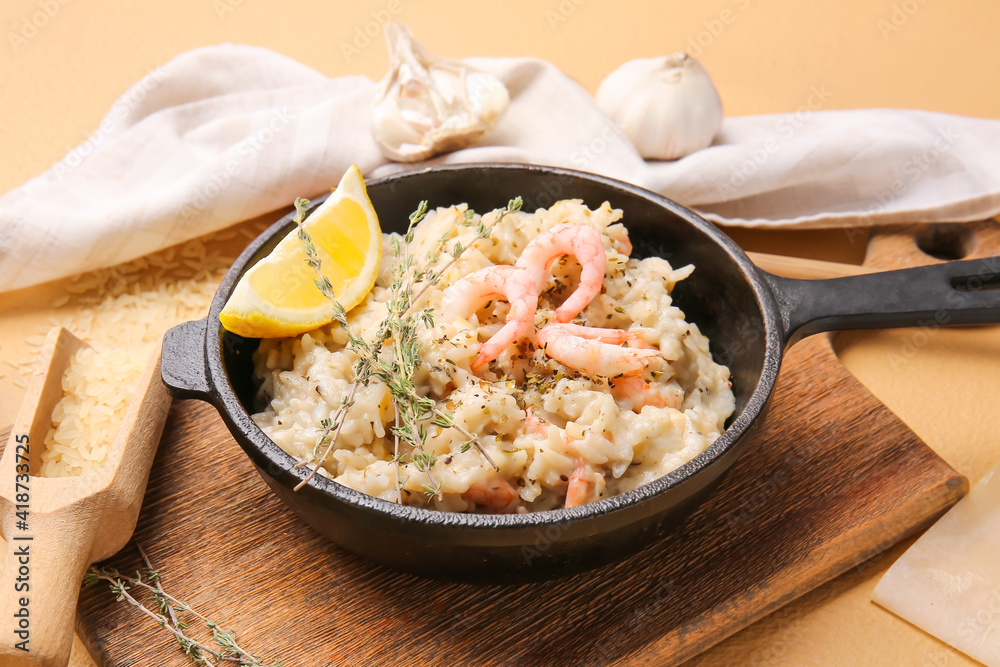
x=533 y=423
x=624 y=246
x=579 y=486
x=481 y=361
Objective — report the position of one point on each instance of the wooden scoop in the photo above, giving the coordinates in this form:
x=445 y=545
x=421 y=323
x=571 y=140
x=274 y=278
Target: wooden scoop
x=56 y=527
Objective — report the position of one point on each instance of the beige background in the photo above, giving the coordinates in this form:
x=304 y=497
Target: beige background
x=64 y=62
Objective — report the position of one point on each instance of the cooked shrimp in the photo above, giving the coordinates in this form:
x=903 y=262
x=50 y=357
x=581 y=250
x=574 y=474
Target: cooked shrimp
x=495 y=493
x=584 y=484
x=624 y=245
x=574 y=239
x=534 y=424
x=510 y=283
x=593 y=350
x=640 y=393
x=583 y=488
x=581 y=482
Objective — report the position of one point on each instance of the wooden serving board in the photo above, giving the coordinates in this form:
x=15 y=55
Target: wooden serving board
x=835 y=479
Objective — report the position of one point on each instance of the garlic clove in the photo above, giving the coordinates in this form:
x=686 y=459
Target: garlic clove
x=667 y=106
x=427 y=105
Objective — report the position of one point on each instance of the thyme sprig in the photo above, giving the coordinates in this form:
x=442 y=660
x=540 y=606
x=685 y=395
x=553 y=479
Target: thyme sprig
x=312 y=257
x=431 y=277
x=331 y=429
x=159 y=595
x=226 y=649
x=332 y=426
x=396 y=368
x=393 y=356
x=446 y=420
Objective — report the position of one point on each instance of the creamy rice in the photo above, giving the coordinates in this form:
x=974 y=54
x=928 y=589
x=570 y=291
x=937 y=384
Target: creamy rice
x=542 y=423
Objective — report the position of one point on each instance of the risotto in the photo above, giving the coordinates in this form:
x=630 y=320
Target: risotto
x=564 y=357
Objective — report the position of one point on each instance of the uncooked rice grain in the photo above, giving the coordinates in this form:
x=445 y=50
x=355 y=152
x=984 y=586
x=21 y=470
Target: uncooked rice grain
x=96 y=387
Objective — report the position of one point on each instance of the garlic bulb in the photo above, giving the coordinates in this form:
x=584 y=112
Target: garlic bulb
x=428 y=105
x=667 y=106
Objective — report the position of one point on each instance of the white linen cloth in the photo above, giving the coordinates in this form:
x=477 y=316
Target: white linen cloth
x=225 y=133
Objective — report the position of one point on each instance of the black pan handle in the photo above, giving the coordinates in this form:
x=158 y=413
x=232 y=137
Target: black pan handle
x=183 y=363
x=966 y=292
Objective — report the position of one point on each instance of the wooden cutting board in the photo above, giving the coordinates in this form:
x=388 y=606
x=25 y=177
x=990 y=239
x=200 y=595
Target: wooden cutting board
x=835 y=479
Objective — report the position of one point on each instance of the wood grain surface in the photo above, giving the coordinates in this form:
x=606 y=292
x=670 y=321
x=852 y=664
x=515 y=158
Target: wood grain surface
x=836 y=479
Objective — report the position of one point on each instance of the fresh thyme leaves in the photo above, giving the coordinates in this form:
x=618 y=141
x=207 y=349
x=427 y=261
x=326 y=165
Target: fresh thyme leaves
x=395 y=461
x=226 y=649
x=423 y=461
x=158 y=595
x=445 y=420
x=323 y=283
x=393 y=357
x=431 y=277
x=396 y=368
x=331 y=427
x=330 y=433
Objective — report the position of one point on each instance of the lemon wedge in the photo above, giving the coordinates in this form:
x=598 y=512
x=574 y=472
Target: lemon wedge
x=278 y=296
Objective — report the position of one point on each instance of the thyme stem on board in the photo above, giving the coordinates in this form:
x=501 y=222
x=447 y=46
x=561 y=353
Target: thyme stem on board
x=154 y=576
x=192 y=648
x=227 y=651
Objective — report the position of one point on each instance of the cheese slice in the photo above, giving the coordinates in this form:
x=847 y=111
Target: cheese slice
x=948 y=582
